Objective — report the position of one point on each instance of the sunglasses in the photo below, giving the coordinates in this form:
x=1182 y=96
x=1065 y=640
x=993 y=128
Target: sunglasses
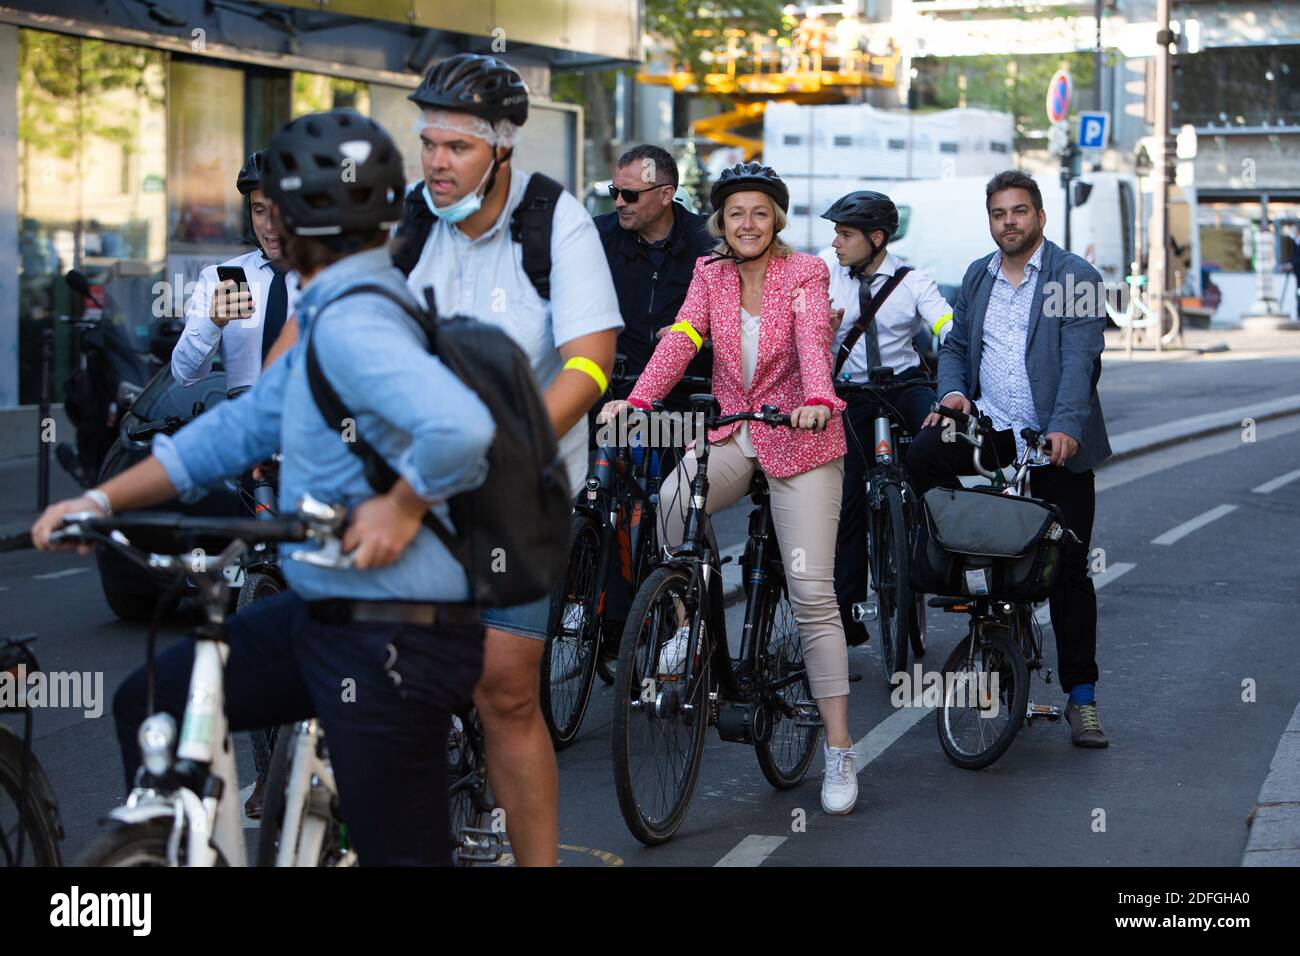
x=632 y=195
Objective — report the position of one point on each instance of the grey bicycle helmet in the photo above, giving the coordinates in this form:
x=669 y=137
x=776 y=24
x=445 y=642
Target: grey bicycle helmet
x=750 y=176
x=866 y=210
x=478 y=84
x=334 y=172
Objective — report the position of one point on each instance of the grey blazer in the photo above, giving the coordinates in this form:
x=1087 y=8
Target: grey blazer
x=1062 y=350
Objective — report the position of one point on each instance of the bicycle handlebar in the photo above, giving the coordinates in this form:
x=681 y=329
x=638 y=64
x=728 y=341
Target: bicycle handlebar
x=168 y=534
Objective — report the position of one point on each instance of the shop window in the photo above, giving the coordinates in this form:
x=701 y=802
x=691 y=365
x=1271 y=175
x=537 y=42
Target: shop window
x=91 y=178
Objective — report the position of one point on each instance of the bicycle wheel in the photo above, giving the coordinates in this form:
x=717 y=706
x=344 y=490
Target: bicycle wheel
x=131 y=844
x=918 y=626
x=894 y=598
x=469 y=802
x=1172 y=325
x=320 y=838
x=986 y=694
x=37 y=815
x=257 y=587
x=788 y=752
x=658 y=737
x=569 y=660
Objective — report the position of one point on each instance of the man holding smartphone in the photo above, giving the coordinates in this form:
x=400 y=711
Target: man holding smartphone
x=239 y=306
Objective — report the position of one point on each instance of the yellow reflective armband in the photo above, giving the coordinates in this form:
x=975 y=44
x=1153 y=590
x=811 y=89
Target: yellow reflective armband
x=589 y=368
x=690 y=333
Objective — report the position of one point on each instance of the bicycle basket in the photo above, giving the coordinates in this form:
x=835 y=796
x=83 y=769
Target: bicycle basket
x=978 y=543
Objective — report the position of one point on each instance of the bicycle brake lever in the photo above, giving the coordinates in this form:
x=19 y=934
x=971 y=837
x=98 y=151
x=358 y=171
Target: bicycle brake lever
x=330 y=555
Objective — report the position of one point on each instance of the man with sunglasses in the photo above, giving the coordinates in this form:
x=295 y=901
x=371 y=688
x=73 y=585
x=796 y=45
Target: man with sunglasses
x=651 y=244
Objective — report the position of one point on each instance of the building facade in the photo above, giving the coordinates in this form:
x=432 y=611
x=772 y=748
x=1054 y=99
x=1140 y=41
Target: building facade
x=122 y=127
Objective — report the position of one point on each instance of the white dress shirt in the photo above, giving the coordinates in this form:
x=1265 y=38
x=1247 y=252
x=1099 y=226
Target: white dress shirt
x=484 y=278
x=240 y=341
x=915 y=305
x=1005 y=395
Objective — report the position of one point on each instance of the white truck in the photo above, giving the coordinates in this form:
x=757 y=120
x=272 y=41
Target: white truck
x=944 y=225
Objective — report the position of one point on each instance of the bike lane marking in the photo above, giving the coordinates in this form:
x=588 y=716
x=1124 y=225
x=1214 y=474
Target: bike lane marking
x=67 y=572
x=1178 y=532
x=751 y=851
x=1269 y=487
x=1044 y=614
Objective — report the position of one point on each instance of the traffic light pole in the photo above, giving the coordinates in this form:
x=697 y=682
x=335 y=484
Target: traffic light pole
x=1157 y=277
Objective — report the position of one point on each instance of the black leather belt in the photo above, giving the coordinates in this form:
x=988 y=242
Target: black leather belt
x=420 y=613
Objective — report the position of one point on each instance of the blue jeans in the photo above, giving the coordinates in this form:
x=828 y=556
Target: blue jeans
x=387 y=734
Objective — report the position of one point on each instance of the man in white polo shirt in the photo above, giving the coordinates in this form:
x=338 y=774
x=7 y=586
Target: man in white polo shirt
x=240 y=323
x=520 y=253
x=863 y=269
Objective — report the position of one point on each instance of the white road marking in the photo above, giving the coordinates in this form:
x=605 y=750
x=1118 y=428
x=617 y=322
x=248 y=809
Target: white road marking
x=1178 y=532
x=751 y=851
x=59 y=574
x=1269 y=487
x=1043 y=614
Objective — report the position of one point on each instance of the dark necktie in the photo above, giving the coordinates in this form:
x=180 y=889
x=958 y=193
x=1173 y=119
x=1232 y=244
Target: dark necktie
x=277 y=305
x=871 y=342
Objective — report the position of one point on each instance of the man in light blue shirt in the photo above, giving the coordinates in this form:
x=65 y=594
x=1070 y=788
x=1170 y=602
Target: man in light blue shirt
x=396 y=622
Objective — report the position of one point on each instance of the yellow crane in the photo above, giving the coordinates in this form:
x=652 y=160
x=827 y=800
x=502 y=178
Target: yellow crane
x=806 y=72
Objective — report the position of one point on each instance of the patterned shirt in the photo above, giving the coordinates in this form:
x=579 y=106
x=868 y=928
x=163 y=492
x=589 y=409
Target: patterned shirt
x=1005 y=395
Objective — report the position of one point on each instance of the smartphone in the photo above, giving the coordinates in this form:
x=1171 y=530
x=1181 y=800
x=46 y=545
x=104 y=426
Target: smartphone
x=232 y=274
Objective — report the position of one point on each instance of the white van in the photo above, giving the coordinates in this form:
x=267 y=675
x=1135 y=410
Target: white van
x=943 y=225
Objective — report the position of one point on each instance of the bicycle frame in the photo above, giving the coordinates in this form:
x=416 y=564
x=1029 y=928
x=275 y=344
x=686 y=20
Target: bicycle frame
x=619 y=493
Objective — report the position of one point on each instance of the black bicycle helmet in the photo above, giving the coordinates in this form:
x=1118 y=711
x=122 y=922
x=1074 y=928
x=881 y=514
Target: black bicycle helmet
x=750 y=176
x=334 y=172
x=866 y=210
x=478 y=84
x=251 y=173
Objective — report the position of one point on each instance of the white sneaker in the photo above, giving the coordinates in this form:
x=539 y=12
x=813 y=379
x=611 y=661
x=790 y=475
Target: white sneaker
x=672 y=656
x=840 y=783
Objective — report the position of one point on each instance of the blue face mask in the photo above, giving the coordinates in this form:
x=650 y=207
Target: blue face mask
x=462 y=208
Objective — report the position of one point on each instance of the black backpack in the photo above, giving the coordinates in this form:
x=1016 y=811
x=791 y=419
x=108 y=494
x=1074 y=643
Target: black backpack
x=530 y=226
x=511 y=531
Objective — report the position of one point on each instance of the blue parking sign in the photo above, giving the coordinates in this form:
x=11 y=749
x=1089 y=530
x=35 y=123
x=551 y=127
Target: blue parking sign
x=1093 y=128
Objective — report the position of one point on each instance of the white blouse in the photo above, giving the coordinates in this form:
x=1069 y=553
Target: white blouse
x=749 y=360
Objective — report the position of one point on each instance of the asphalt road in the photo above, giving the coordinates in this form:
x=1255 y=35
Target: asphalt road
x=1182 y=626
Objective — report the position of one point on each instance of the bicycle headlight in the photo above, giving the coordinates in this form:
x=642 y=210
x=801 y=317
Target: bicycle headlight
x=158 y=743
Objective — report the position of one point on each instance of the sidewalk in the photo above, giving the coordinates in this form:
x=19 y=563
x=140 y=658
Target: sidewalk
x=1275 y=822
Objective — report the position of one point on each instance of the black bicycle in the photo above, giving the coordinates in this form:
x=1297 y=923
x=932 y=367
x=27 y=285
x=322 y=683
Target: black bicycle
x=892 y=513
x=676 y=674
x=30 y=825
x=986 y=693
x=612 y=545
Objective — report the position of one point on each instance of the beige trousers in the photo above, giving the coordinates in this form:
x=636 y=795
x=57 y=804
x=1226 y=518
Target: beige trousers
x=806 y=514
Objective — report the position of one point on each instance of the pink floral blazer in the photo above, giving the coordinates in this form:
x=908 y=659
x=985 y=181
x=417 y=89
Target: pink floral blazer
x=794 y=357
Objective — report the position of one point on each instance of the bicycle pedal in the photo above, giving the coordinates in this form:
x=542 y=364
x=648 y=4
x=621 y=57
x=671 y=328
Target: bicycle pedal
x=864 y=611
x=807 y=714
x=479 y=846
x=1043 y=710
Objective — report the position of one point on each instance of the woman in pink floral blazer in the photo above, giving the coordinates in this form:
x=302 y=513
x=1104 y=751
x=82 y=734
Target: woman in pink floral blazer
x=767 y=310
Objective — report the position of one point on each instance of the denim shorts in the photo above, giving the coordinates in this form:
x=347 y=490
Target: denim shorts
x=525 y=620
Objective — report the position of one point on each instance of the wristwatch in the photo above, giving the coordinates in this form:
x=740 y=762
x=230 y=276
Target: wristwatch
x=101 y=500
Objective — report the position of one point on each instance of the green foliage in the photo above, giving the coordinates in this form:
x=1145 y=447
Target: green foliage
x=1015 y=85
x=62 y=80
x=677 y=21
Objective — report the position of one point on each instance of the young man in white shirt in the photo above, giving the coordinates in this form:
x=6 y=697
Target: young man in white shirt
x=240 y=323
x=862 y=268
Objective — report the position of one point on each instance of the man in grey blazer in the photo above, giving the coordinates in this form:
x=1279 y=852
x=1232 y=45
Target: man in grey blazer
x=1026 y=343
